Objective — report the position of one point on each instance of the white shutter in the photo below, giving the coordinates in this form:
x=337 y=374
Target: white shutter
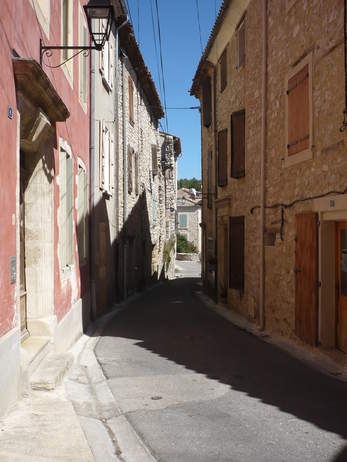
x=69 y=210
x=101 y=156
x=106 y=159
x=102 y=53
x=111 y=60
x=112 y=165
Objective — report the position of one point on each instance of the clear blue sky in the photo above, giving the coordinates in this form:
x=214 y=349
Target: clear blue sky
x=181 y=55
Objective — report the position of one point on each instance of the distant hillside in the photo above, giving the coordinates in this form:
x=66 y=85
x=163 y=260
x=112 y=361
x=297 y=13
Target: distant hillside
x=189 y=183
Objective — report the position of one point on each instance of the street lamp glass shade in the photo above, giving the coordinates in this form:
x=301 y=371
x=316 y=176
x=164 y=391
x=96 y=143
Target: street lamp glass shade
x=99 y=15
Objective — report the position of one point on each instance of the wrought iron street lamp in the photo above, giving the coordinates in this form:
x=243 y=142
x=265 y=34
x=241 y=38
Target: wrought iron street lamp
x=95 y=11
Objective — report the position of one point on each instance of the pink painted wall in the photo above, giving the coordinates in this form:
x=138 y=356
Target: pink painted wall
x=21 y=31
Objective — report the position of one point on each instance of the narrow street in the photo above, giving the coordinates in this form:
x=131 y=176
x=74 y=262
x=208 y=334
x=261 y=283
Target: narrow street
x=196 y=388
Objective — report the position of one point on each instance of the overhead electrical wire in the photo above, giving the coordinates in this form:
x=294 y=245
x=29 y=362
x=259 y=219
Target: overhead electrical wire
x=138 y=22
x=161 y=63
x=156 y=51
x=199 y=25
x=129 y=11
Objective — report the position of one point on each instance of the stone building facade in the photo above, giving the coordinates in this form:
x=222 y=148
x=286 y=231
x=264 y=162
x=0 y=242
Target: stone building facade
x=189 y=216
x=273 y=74
x=135 y=174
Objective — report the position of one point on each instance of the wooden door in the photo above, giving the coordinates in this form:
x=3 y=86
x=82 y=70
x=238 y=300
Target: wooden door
x=223 y=260
x=306 y=277
x=341 y=241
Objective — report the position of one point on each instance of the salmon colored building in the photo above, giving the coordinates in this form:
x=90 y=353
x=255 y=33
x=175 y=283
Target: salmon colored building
x=44 y=169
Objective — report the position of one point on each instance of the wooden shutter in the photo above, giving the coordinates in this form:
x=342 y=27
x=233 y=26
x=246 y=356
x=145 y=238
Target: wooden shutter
x=238 y=144
x=241 y=44
x=206 y=101
x=112 y=163
x=137 y=173
x=298 y=112
x=209 y=179
x=130 y=170
x=236 y=252
x=306 y=287
x=69 y=208
x=101 y=156
x=222 y=157
x=131 y=101
x=223 y=70
x=154 y=159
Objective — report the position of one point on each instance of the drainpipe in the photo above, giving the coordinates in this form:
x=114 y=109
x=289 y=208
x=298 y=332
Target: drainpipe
x=216 y=177
x=125 y=175
x=262 y=171
x=92 y=233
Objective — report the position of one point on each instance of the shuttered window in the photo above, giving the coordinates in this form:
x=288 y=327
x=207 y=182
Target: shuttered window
x=106 y=158
x=209 y=181
x=236 y=252
x=298 y=112
x=154 y=160
x=136 y=173
x=130 y=169
x=82 y=213
x=223 y=70
x=238 y=144
x=66 y=207
x=222 y=157
x=131 y=101
x=206 y=101
x=241 y=44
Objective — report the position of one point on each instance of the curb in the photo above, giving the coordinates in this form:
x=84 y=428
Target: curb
x=314 y=358
x=109 y=434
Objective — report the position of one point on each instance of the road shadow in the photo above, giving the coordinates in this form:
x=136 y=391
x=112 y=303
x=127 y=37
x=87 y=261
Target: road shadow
x=170 y=321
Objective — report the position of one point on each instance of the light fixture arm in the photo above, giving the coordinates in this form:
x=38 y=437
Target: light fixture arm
x=46 y=49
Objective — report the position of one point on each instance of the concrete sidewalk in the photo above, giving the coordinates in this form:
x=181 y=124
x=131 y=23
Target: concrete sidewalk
x=77 y=421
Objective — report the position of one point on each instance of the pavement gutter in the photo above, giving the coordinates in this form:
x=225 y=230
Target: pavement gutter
x=109 y=433
x=314 y=357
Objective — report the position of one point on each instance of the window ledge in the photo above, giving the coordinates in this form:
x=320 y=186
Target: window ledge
x=297 y=158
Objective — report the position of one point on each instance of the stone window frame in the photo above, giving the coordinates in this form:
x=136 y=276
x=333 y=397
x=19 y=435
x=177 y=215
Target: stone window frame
x=43 y=16
x=241 y=27
x=66 y=268
x=305 y=155
x=66 y=54
x=82 y=61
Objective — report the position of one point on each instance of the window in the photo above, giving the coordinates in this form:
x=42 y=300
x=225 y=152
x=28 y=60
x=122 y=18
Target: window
x=130 y=169
x=209 y=181
x=238 y=145
x=42 y=10
x=66 y=206
x=154 y=160
x=182 y=220
x=131 y=101
x=106 y=59
x=67 y=37
x=241 y=44
x=206 y=102
x=154 y=207
x=236 y=253
x=298 y=112
x=65 y=27
x=83 y=62
x=82 y=212
x=222 y=157
x=223 y=70
x=136 y=173
x=106 y=159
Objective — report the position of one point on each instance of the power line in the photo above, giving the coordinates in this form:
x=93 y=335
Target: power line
x=138 y=21
x=156 y=50
x=198 y=15
x=161 y=63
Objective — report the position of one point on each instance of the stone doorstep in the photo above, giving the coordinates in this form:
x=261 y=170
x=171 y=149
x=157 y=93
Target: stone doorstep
x=51 y=371
x=33 y=350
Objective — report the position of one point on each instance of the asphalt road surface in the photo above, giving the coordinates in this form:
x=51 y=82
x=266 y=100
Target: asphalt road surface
x=196 y=388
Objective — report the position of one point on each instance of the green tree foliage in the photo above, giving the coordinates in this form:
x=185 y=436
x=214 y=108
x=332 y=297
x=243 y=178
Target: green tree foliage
x=189 y=183
x=184 y=246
